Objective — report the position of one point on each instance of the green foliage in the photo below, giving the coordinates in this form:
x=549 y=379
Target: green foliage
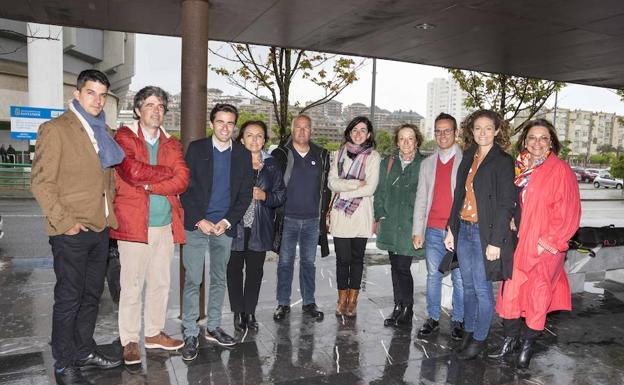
x=617 y=167
x=385 y=142
x=602 y=159
x=564 y=153
x=508 y=95
x=245 y=116
x=267 y=73
x=429 y=145
x=605 y=149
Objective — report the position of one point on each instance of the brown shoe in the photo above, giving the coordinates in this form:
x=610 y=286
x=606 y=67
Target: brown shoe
x=352 y=299
x=163 y=341
x=131 y=354
x=341 y=304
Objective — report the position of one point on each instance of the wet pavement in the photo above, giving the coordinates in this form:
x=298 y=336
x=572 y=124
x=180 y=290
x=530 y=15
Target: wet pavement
x=585 y=346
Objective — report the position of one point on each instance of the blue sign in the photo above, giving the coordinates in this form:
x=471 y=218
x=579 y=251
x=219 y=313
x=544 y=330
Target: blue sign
x=25 y=121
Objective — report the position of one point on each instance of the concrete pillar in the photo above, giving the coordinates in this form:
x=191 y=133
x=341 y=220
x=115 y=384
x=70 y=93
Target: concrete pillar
x=194 y=94
x=194 y=70
x=45 y=65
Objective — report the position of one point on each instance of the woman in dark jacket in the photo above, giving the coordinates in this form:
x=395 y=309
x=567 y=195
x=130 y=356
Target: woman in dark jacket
x=394 y=206
x=483 y=205
x=254 y=233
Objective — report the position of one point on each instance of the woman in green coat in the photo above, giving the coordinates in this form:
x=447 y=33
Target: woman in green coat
x=394 y=206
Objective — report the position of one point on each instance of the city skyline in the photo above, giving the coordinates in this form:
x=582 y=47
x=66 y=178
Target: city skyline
x=400 y=86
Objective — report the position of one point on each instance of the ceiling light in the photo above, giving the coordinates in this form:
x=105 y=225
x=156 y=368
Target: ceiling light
x=425 y=26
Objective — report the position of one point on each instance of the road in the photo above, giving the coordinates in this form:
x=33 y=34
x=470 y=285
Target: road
x=25 y=234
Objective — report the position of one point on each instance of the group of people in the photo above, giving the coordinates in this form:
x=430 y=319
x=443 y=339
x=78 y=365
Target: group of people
x=229 y=202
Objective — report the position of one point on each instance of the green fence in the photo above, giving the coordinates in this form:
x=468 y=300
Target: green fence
x=15 y=180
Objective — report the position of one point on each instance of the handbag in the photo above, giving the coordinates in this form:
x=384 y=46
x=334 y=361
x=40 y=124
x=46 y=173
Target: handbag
x=448 y=262
x=328 y=214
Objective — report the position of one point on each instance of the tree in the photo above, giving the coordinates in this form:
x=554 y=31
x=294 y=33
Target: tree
x=605 y=149
x=429 y=145
x=26 y=38
x=510 y=96
x=617 y=167
x=565 y=149
x=385 y=142
x=272 y=70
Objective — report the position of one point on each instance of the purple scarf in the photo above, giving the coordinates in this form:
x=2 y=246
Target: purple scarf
x=357 y=171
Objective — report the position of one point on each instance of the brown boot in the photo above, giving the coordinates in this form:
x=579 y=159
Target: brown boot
x=341 y=304
x=352 y=303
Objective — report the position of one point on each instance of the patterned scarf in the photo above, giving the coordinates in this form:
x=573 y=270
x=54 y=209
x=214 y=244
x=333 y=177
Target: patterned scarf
x=355 y=171
x=110 y=153
x=523 y=170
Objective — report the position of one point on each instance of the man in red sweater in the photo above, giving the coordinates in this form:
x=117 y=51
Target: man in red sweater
x=149 y=213
x=434 y=198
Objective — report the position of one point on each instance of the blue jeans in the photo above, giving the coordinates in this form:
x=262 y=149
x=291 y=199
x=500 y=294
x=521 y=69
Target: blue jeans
x=305 y=232
x=434 y=252
x=478 y=297
x=194 y=254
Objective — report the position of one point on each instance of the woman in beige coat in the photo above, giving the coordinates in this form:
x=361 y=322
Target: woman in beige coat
x=353 y=178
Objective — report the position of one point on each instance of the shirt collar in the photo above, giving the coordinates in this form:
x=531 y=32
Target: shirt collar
x=229 y=147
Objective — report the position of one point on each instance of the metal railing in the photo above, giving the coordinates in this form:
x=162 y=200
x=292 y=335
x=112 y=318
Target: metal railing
x=15 y=179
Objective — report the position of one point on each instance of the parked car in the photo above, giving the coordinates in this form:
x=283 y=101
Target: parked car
x=578 y=171
x=606 y=180
x=589 y=174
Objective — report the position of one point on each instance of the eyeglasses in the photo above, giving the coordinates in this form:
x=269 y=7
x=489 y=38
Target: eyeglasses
x=446 y=132
x=541 y=139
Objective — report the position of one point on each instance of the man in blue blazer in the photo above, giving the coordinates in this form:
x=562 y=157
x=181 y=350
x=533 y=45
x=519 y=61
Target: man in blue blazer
x=219 y=192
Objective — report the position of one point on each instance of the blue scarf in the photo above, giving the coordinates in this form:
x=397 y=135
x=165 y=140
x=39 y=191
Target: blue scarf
x=110 y=153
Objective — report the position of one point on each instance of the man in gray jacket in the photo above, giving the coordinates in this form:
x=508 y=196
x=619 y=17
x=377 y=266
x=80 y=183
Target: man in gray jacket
x=434 y=199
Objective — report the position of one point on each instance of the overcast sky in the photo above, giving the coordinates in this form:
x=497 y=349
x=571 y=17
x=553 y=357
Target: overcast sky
x=399 y=85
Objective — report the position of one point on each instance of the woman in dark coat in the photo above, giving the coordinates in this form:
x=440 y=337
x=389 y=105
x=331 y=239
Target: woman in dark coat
x=479 y=225
x=394 y=206
x=254 y=233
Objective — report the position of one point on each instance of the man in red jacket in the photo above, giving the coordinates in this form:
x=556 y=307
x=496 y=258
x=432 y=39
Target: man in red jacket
x=149 y=213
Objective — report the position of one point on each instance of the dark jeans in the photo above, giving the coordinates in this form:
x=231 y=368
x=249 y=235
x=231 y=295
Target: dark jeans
x=517 y=327
x=402 y=281
x=244 y=299
x=80 y=267
x=349 y=262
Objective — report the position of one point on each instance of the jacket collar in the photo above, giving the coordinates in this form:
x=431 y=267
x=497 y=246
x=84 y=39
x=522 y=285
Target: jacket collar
x=134 y=127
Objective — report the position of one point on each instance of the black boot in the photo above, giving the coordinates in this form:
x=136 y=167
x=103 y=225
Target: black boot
x=510 y=344
x=464 y=342
x=391 y=321
x=239 y=322
x=251 y=322
x=405 y=317
x=526 y=352
x=473 y=349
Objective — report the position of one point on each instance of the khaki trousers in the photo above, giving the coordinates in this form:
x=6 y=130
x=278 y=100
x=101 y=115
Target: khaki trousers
x=146 y=265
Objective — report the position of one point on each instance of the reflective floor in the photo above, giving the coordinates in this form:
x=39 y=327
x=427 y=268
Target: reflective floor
x=585 y=346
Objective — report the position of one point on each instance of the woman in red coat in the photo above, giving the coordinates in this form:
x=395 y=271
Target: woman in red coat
x=550 y=211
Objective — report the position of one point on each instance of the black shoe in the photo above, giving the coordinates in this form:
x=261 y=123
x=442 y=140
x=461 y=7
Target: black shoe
x=457 y=330
x=405 y=317
x=312 y=310
x=391 y=321
x=473 y=349
x=96 y=360
x=251 y=322
x=526 y=352
x=239 y=322
x=220 y=337
x=189 y=350
x=464 y=342
x=280 y=312
x=70 y=375
x=509 y=345
x=429 y=327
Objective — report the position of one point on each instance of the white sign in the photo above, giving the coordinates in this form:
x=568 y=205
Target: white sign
x=25 y=121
